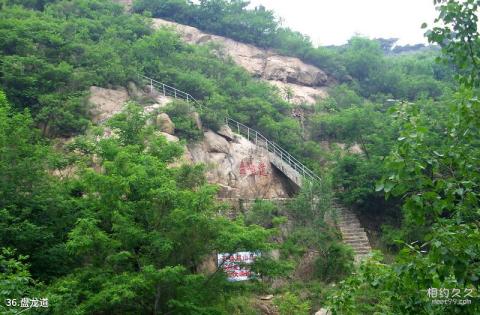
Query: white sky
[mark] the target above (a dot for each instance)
(333, 22)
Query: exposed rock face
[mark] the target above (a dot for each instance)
(215, 144)
(169, 137)
(293, 70)
(106, 102)
(208, 265)
(266, 307)
(266, 64)
(323, 311)
(226, 132)
(239, 168)
(198, 122)
(165, 124)
(299, 94)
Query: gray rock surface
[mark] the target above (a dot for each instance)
(291, 72)
(323, 311)
(198, 122)
(226, 132)
(164, 123)
(106, 102)
(239, 168)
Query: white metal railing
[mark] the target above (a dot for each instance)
(261, 141)
(251, 134)
(167, 90)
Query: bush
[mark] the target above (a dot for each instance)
(335, 263)
(182, 115)
(290, 304)
(262, 213)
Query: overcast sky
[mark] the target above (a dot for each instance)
(333, 22)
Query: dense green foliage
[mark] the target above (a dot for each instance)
(110, 48)
(229, 18)
(133, 235)
(362, 62)
(49, 59)
(434, 168)
(104, 225)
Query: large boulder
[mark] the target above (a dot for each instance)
(239, 168)
(165, 124)
(215, 144)
(300, 94)
(196, 118)
(106, 102)
(134, 92)
(169, 137)
(293, 70)
(261, 63)
(226, 132)
(323, 311)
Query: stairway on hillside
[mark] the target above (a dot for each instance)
(352, 232)
(283, 160)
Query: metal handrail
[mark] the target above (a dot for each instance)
(259, 139)
(168, 90)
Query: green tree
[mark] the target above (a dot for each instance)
(434, 168)
(143, 232)
(35, 209)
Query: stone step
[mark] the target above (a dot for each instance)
(365, 252)
(356, 222)
(362, 256)
(345, 214)
(347, 219)
(350, 223)
(355, 227)
(355, 239)
(358, 245)
(359, 248)
(354, 234)
(352, 231)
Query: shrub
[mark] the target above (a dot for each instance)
(290, 304)
(182, 115)
(334, 263)
(262, 213)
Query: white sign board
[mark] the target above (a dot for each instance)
(234, 265)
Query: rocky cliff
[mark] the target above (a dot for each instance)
(297, 81)
(241, 169)
(235, 164)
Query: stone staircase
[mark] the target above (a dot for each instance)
(352, 232)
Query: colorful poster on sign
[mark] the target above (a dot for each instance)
(234, 265)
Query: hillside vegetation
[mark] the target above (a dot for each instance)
(129, 232)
